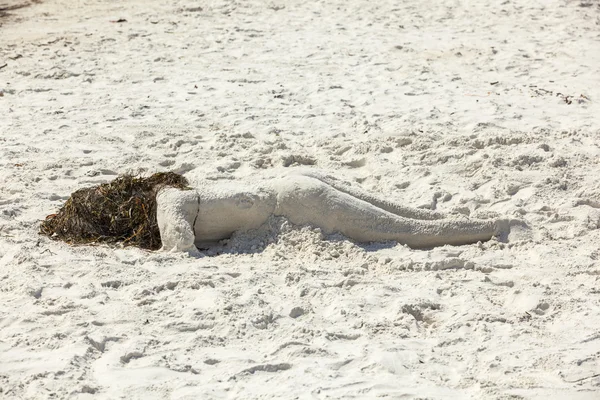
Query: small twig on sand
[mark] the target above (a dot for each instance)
(14, 7)
(4, 65)
(582, 379)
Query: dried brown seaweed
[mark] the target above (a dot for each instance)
(123, 210)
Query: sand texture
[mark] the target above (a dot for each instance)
(480, 108)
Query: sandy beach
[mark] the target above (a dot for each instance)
(480, 108)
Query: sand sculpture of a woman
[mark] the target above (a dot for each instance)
(189, 217)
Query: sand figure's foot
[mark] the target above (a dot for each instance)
(510, 230)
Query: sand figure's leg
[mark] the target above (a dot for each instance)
(176, 212)
(305, 200)
(387, 205)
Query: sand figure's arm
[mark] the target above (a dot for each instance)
(176, 212)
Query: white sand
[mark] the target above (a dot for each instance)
(448, 105)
